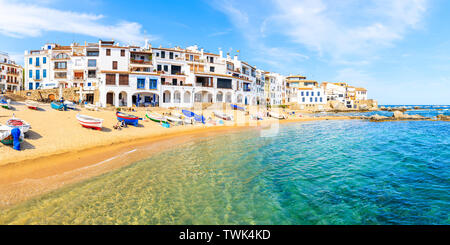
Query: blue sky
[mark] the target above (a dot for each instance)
(398, 50)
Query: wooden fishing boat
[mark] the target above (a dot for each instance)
(33, 105)
(6, 137)
(276, 115)
(197, 118)
(58, 106)
(175, 120)
(18, 123)
(5, 103)
(223, 116)
(90, 122)
(127, 118)
(91, 107)
(236, 107)
(70, 105)
(180, 116)
(155, 117)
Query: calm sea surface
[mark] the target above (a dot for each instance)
(327, 172)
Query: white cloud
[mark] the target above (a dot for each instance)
(29, 20)
(340, 28)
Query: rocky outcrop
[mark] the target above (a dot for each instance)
(443, 117)
(398, 116)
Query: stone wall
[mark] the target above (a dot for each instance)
(51, 94)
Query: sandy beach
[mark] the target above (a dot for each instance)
(58, 151)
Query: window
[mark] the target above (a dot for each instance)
(159, 67)
(30, 86)
(141, 83)
(44, 73)
(163, 54)
(171, 55)
(163, 80)
(318, 93)
(303, 99)
(30, 73)
(312, 93)
(122, 52)
(320, 99)
(153, 84)
(92, 63)
(92, 53)
(307, 93)
(89, 84)
(310, 99)
(114, 65)
(211, 69)
(123, 79)
(157, 54)
(30, 61)
(60, 65)
(166, 68)
(302, 93)
(315, 99)
(108, 52)
(174, 81)
(110, 79)
(49, 47)
(44, 60)
(37, 85)
(37, 61)
(223, 83)
(92, 74)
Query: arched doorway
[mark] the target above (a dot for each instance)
(177, 97)
(239, 99)
(219, 97)
(228, 98)
(187, 97)
(123, 100)
(166, 96)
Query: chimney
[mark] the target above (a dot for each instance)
(221, 53)
(228, 56)
(235, 58)
(201, 51)
(146, 44)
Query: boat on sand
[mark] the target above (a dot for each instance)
(223, 116)
(33, 105)
(127, 118)
(58, 106)
(18, 123)
(90, 122)
(276, 115)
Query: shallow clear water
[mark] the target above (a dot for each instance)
(325, 172)
(426, 111)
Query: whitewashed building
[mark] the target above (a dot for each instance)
(306, 93)
(11, 74)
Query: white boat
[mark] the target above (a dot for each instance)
(4, 132)
(181, 116)
(91, 107)
(70, 104)
(223, 116)
(276, 115)
(175, 120)
(32, 104)
(18, 123)
(90, 122)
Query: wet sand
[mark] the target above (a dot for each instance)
(58, 151)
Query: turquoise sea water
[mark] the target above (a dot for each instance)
(325, 172)
(426, 110)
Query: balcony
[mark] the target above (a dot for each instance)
(140, 62)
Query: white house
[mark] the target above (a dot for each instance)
(10, 74)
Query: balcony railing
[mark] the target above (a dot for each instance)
(142, 62)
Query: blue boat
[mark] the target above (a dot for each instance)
(236, 107)
(196, 117)
(59, 106)
(127, 118)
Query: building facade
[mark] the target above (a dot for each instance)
(11, 74)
